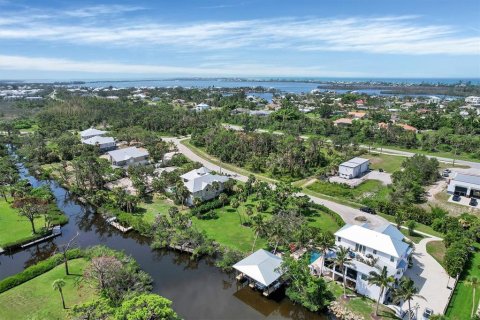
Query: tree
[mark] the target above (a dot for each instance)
(343, 260)
(31, 208)
(411, 224)
(305, 289)
(102, 271)
(382, 280)
(58, 285)
(399, 219)
(64, 248)
(235, 204)
(473, 282)
(223, 199)
(259, 227)
(146, 306)
(406, 291)
(325, 242)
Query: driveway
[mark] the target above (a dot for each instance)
(430, 278)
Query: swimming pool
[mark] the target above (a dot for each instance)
(314, 256)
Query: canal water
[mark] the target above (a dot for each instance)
(198, 290)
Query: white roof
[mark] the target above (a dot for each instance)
(99, 139)
(127, 153)
(262, 266)
(355, 162)
(199, 179)
(379, 241)
(91, 132)
(391, 230)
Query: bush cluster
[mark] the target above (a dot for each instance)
(204, 208)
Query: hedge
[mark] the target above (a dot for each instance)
(207, 206)
(333, 214)
(38, 269)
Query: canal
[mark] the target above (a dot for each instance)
(198, 289)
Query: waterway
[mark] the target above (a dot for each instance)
(198, 289)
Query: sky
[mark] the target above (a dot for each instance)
(71, 40)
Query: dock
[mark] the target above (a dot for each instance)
(182, 248)
(56, 231)
(113, 222)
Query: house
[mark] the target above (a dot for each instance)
(370, 250)
(200, 182)
(342, 121)
(201, 107)
(473, 100)
(407, 127)
(433, 99)
(103, 143)
(167, 157)
(465, 185)
(353, 168)
(357, 115)
(128, 156)
(90, 133)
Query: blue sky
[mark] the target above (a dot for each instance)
(268, 38)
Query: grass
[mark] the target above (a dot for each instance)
(416, 237)
(157, 205)
(461, 303)
(420, 227)
(386, 162)
(14, 228)
(437, 250)
(360, 305)
(36, 299)
(341, 191)
(228, 231)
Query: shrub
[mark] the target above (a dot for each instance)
(206, 207)
(38, 269)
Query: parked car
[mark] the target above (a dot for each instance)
(367, 210)
(427, 313)
(456, 197)
(473, 202)
(446, 174)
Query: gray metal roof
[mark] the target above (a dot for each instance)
(262, 266)
(199, 179)
(467, 178)
(355, 162)
(127, 153)
(99, 139)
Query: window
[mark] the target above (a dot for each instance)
(374, 251)
(392, 259)
(360, 248)
(364, 277)
(339, 239)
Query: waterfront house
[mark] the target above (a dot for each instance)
(128, 157)
(90, 133)
(353, 168)
(203, 184)
(370, 250)
(103, 143)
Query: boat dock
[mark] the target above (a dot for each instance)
(113, 222)
(56, 231)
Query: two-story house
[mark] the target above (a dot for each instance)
(371, 250)
(203, 184)
(126, 157)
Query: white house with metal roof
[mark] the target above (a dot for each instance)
(353, 168)
(128, 157)
(201, 184)
(90, 133)
(371, 250)
(103, 143)
(467, 185)
(201, 107)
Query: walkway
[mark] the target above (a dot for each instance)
(430, 278)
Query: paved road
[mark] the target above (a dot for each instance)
(347, 213)
(428, 275)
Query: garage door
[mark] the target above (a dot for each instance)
(462, 191)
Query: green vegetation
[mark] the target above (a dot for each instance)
(150, 208)
(461, 303)
(366, 189)
(13, 227)
(35, 298)
(386, 162)
(437, 250)
(415, 237)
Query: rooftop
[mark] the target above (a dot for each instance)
(198, 179)
(468, 178)
(99, 139)
(262, 266)
(355, 162)
(127, 153)
(91, 132)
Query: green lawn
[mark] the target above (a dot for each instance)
(359, 305)
(420, 227)
(228, 231)
(386, 162)
(35, 299)
(437, 250)
(344, 192)
(416, 237)
(461, 302)
(158, 205)
(14, 228)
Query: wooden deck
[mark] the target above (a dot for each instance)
(113, 222)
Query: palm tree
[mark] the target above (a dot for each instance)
(58, 285)
(406, 291)
(325, 242)
(343, 260)
(473, 281)
(382, 280)
(258, 225)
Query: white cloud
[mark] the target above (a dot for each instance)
(406, 34)
(20, 63)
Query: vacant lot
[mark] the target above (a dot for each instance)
(437, 250)
(157, 205)
(384, 161)
(36, 299)
(367, 188)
